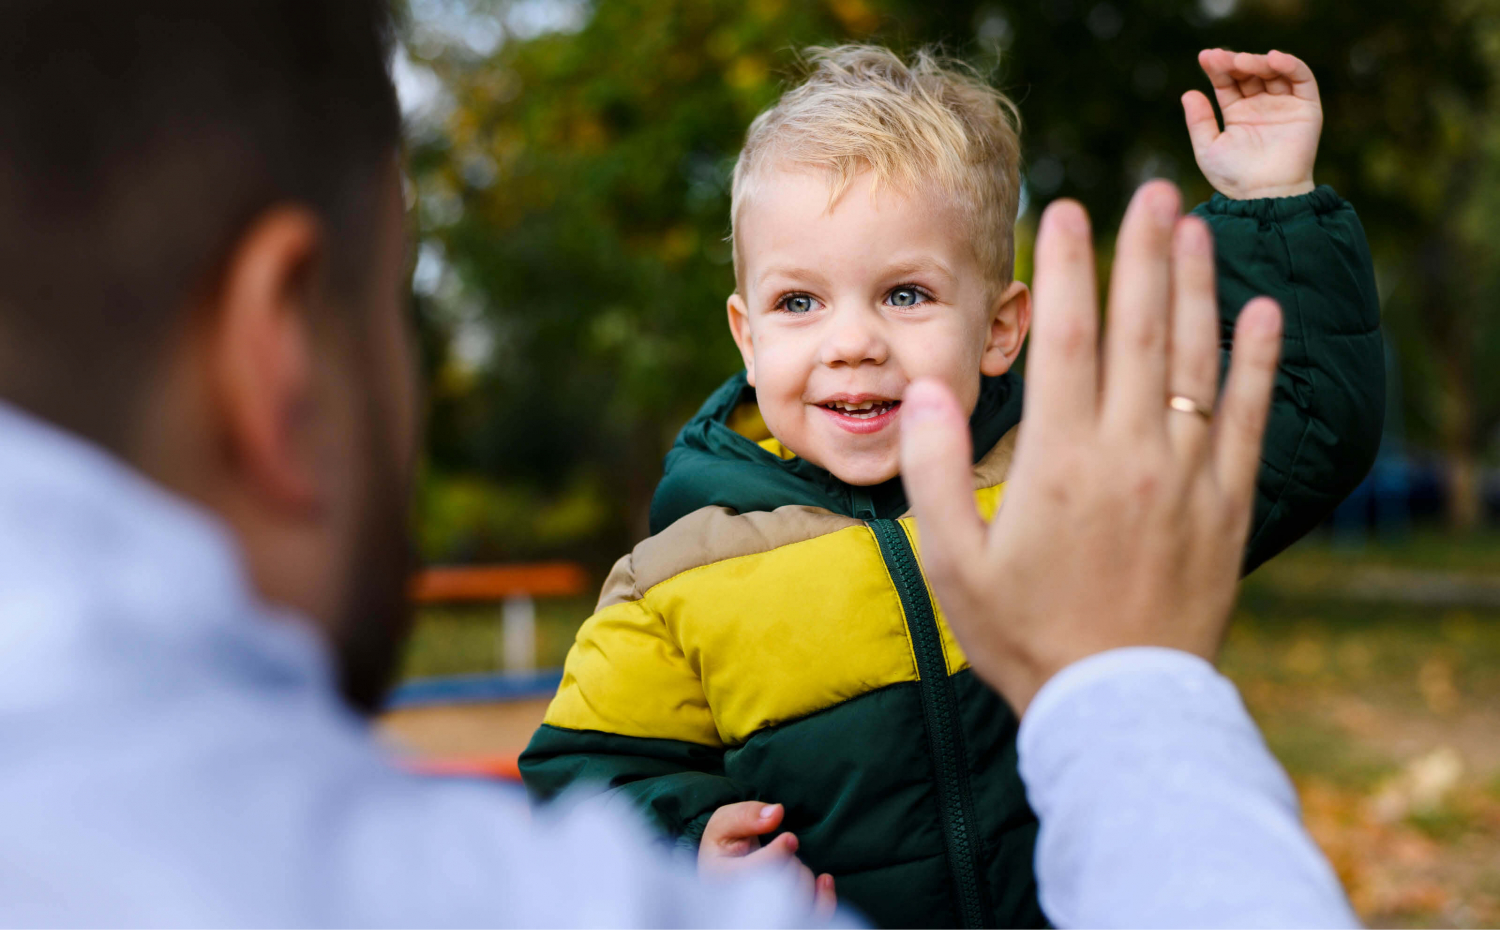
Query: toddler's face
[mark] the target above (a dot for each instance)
(841, 309)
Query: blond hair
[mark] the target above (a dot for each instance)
(918, 124)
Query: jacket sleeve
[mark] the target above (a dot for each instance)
(630, 720)
(1309, 253)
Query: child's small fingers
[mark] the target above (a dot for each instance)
(782, 849)
(1297, 72)
(1217, 64)
(745, 819)
(1252, 86)
(826, 901)
(1258, 65)
(1202, 125)
(1293, 67)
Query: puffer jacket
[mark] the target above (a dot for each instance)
(775, 639)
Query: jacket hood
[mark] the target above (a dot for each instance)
(711, 464)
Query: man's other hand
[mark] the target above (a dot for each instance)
(1126, 512)
(1272, 121)
(731, 842)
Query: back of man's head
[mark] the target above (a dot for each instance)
(138, 139)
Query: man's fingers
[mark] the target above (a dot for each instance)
(1202, 125)
(1195, 333)
(1135, 342)
(1062, 367)
(936, 457)
(1246, 402)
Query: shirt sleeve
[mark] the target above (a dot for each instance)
(1160, 804)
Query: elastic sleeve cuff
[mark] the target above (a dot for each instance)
(1320, 201)
(1115, 668)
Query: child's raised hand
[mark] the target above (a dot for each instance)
(1272, 121)
(731, 842)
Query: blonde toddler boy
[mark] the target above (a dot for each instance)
(770, 663)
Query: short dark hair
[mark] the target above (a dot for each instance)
(138, 140)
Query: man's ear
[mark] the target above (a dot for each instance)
(739, 326)
(1010, 319)
(261, 355)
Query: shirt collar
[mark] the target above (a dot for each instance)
(93, 553)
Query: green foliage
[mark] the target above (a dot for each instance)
(577, 188)
(580, 190)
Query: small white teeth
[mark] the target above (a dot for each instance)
(864, 411)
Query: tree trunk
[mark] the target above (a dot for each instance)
(1449, 317)
(1465, 498)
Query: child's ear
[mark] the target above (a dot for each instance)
(739, 327)
(1010, 319)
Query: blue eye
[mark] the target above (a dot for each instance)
(906, 297)
(797, 303)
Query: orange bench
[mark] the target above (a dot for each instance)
(514, 587)
(480, 583)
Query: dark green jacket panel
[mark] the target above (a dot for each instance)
(849, 815)
(677, 785)
(1328, 410)
(858, 786)
(1007, 824)
(910, 894)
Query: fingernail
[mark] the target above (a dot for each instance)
(767, 812)
(1194, 237)
(1164, 207)
(1067, 216)
(1264, 319)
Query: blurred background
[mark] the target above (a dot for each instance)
(569, 167)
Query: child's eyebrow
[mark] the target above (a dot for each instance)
(919, 266)
(811, 275)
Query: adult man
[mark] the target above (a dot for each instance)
(206, 437)
(204, 458)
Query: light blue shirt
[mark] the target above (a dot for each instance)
(1161, 806)
(173, 752)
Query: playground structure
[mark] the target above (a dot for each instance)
(443, 718)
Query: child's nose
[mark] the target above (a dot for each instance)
(853, 338)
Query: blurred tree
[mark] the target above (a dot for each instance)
(576, 191)
(579, 188)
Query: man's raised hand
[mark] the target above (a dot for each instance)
(1126, 510)
(1272, 121)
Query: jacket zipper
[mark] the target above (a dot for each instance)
(944, 727)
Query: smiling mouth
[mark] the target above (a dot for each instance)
(868, 410)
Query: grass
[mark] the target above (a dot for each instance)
(1382, 702)
(1387, 715)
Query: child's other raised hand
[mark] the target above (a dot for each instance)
(731, 843)
(1272, 121)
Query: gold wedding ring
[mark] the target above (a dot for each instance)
(1184, 404)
